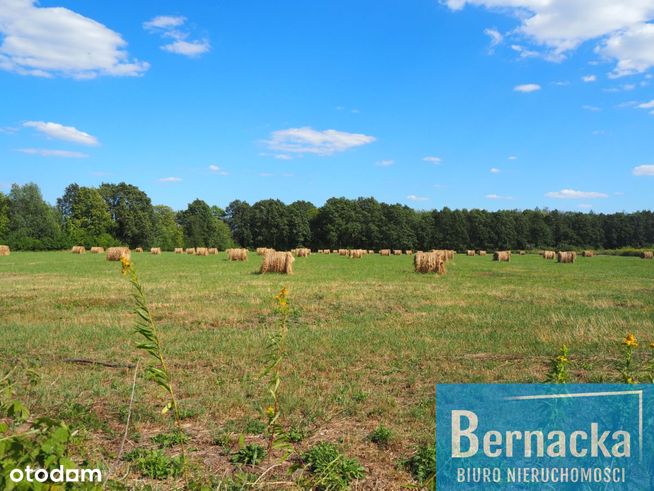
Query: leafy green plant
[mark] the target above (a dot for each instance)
(558, 373)
(254, 427)
(296, 434)
(381, 436)
(165, 440)
(41, 443)
(155, 464)
(422, 465)
(331, 470)
(250, 454)
(146, 327)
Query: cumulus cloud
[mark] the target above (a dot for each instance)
(494, 170)
(512, 157)
(432, 159)
(526, 88)
(589, 78)
(573, 194)
(297, 141)
(173, 28)
(45, 152)
(644, 170)
(61, 132)
(646, 105)
(498, 197)
(384, 163)
(56, 41)
(170, 179)
(413, 197)
(622, 30)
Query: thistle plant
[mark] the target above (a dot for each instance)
(146, 327)
(275, 353)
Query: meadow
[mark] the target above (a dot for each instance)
(368, 340)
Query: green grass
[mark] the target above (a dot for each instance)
(368, 338)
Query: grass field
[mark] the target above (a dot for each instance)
(368, 340)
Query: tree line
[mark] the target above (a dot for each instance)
(123, 214)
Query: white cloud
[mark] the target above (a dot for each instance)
(307, 140)
(646, 105)
(524, 52)
(589, 78)
(588, 107)
(495, 36)
(632, 48)
(170, 179)
(494, 170)
(188, 48)
(585, 206)
(44, 152)
(526, 88)
(432, 159)
(644, 170)
(217, 170)
(171, 27)
(512, 157)
(164, 22)
(413, 197)
(56, 41)
(384, 163)
(61, 132)
(498, 197)
(573, 194)
(266, 174)
(282, 156)
(558, 26)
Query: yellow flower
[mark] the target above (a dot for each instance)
(630, 341)
(281, 297)
(630, 380)
(651, 345)
(270, 411)
(126, 264)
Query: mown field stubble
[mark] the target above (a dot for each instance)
(367, 341)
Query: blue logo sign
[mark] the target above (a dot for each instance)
(570, 437)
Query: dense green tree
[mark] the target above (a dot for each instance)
(300, 214)
(238, 218)
(132, 213)
(269, 224)
(33, 224)
(202, 226)
(168, 234)
(86, 217)
(4, 216)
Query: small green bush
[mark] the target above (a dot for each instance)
(381, 436)
(330, 469)
(165, 440)
(155, 464)
(250, 454)
(422, 465)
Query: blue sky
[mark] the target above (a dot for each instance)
(480, 103)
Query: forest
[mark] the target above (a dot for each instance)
(123, 214)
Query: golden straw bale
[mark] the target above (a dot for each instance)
(4, 250)
(566, 256)
(155, 250)
(78, 250)
(201, 251)
(397, 252)
(385, 252)
(643, 255)
(502, 256)
(482, 253)
(429, 262)
(522, 253)
(409, 252)
(97, 250)
(277, 262)
(117, 253)
(179, 250)
(301, 252)
(357, 253)
(470, 253)
(212, 251)
(237, 254)
(140, 249)
(588, 253)
(549, 254)
(190, 250)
